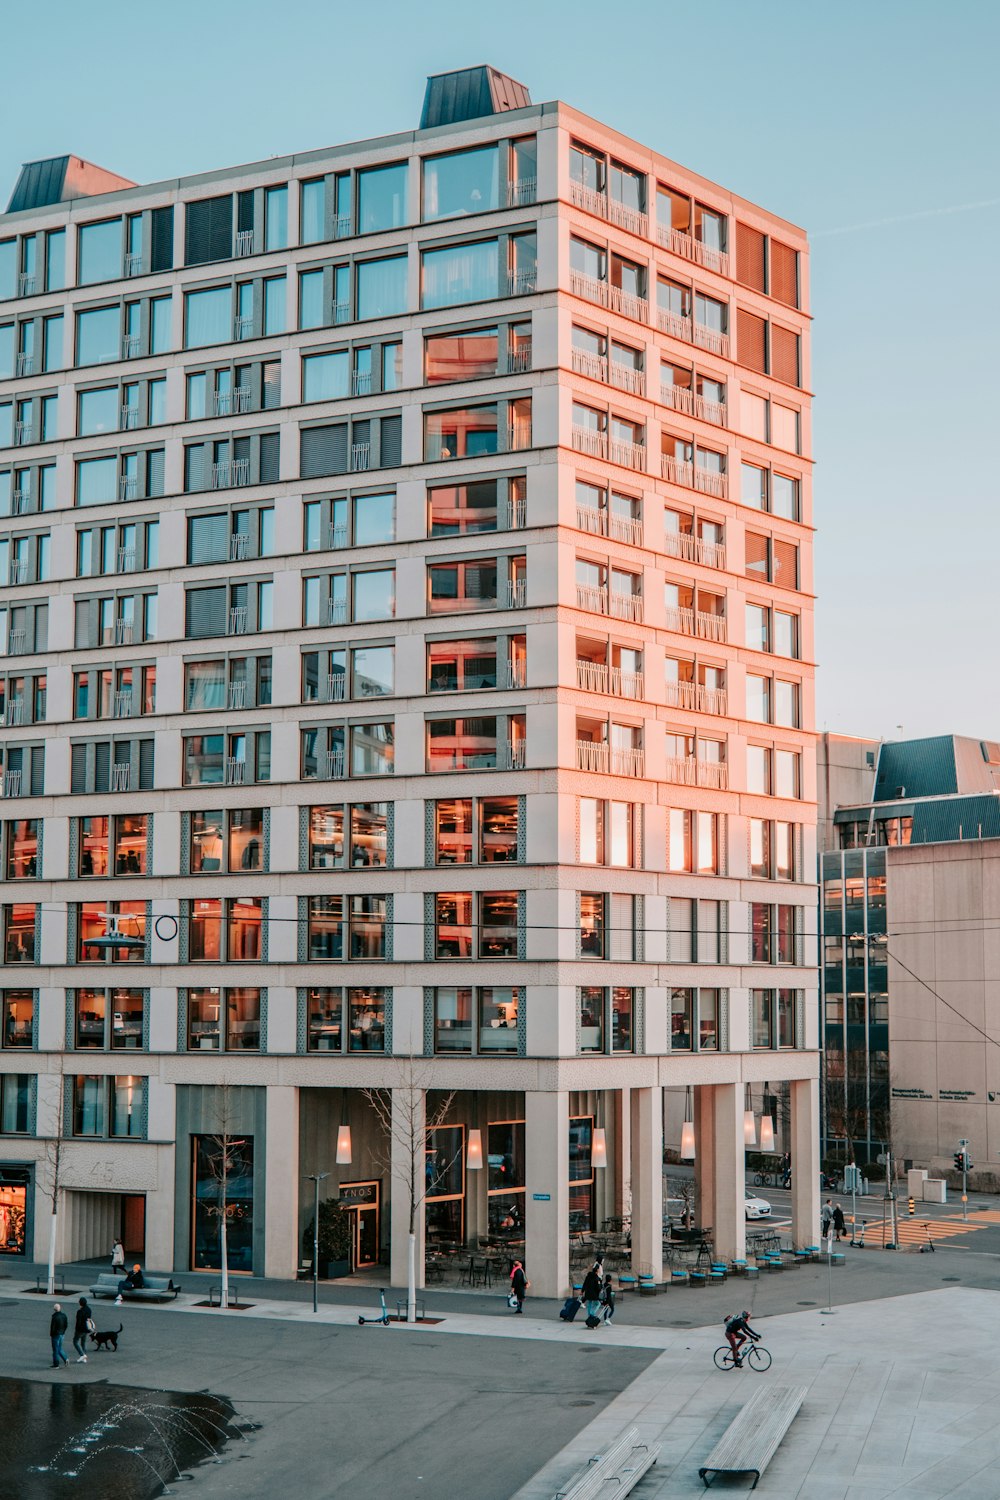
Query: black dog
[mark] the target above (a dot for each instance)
(108, 1340)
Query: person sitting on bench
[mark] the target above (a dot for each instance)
(133, 1282)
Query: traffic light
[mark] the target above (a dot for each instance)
(959, 1161)
(969, 1163)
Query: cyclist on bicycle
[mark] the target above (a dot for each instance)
(738, 1331)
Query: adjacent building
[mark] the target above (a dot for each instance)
(910, 895)
(407, 692)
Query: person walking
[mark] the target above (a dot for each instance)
(608, 1299)
(83, 1327)
(58, 1325)
(590, 1293)
(519, 1285)
(826, 1219)
(117, 1255)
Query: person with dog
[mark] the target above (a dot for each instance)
(107, 1340)
(84, 1325)
(133, 1282)
(58, 1324)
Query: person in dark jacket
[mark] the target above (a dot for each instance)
(839, 1222)
(84, 1325)
(133, 1282)
(58, 1325)
(608, 1299)
(590, 1292)
(518, 1284)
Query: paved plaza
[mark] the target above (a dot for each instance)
(902, 1382)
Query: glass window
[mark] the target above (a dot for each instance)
(591, 1018)
(498, 1012)
(275, 218)
(208, 317)
(366, 1018)
(592, 925)
(465, 355)
(97, 335)
(453, 837)
(452, 1019)
(762, 1003)
(463, 509)
(8, 268)
(498, 924)
(461, 432)
(159, 325)
(785, 496)
(326, 377)
(18, 1018)
(460, 273)
(325, 1020)
(373, 671)
(369, 834)
(622, 1019)
(382, 198)
(498, 829)
(312, 200)
(99, 252)
(374, 595)
(786, 634)
(374, 519)
(372, 749)
(392, 367)
(786, 773)
(55, 260)
(758, 769)
(96, 481)
(381, 287)
(326, 837)
(22, 849)
(312, 306)
(98, 411)
(463, 182)
(274, 304)
(207, 1201)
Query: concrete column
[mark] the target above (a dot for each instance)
(647, 1181)
(804, 1146)
(409, 1115)
(281, 1204)
(729, 1228)
(546, 1148)
(621, 1110)
(704, 1161)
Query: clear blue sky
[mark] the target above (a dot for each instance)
(870, 112)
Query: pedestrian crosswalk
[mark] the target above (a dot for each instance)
(915, 1231)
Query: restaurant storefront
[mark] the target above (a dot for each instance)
(16, 1195)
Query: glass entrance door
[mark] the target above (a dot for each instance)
(365, 1237)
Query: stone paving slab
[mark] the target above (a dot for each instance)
(901, 1402)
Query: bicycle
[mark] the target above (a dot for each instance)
(755, 1356)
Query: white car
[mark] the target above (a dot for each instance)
(756, 1208)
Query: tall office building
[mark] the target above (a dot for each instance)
(407, 686)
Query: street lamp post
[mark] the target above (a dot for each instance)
(316, 1178)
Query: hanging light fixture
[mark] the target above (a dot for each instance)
(599, 1148)
(343, 1145)
(766, 1125)
(687, 1129)
(474, 1151)
(749, 1124)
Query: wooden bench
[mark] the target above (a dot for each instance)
(155, 1288)
(616, 1471)
(752, 1438)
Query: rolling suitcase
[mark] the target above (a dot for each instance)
(593, 1322)
(570, 1308)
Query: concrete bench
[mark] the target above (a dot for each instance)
(752, 1438)
(614, 1472)
(156, 1288)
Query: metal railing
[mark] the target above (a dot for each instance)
(679, 397)
(592, 676)
(518, 360)
(691, 548)
(517, 593)
(14, 712)
(628, 762)
(694, 250)
(12, 783)
(628, 379)
(626, 607)
(330, 765)
(236, 771)
(121, 776)
(124, 632)
(342, 227)
(24, 433)
(341, 312)
(21, 502)
(361, 456)
(512, 755)
(130, 345)
(336, 535)
(17, 640)
(711, 482)
(713, 774)
(239, 546)
(361, 383)
(628, 455)
(232, 403)
(679, 619)
(25, 364)
(520, 193)
(123, 703)
(243, 327)
(711, 627)
(605, 207)
(17, 571)
(336, 687)
(710, 411)
(128, 487)
(236, 624)
(520, 283)
(678, 325)
(676, 470)
(518, 436)
(244, 242)
(336, 612)
(591, 597)
(625, 529)
(26, 283)
(711, 339)
(593, 366)
(586, 440)
(133, 263)
(516, 514)
(589, 518)
(236, 695)
(696, 698)
(128, 418)
(513, 675)
(126, 559)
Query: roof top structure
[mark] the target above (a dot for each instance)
(59, 178)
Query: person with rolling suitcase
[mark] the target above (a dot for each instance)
(591, 1294)
(569, 1309)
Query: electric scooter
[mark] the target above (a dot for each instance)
(383, 1317)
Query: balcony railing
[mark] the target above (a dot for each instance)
(231, 403)
(17, 571)
(612, 297)
(518, 436)
(236, 771)
(517, 593)
(12, 783)
(691, 548)
(693, 250)
(121, 775)
(689, 771)
(518, 361)
(130, 346)
(710, 411)
(678, 325)
(26, 284)
(628, 455)
(341, 312)
(625, 529)
(599, 756)
(128, 487)
(586, 440)
(628, 379)
(336, 612)
(711, 482)
(239, 546)
(711, 339)
(695, 698)
(123, 703)
(520, 283)
(714, 774)
(336, 536)
(14, 712)
(237, 621)
(330, 765)
(133, 263)
(17, 640)
(230, 472)
(361, 457)
(25, 364)
(512, 755)
(626, 607)
(243, 327)
(124, 632)
(236, 695)
(126, 559)
(605, 602)
(710, 627)
(342, 227)
(336, 687)
(244, 242)
(513, 675)
(594, 366)
(21, 502)
(361, 382)
(24, 433)
(609, 208)
(520, 193)
(128, 418)
(676, 470)
(682, 399)
(591, 597)
(516, 514)
(598, 677)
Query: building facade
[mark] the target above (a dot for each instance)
(288, 836)
(909, 894)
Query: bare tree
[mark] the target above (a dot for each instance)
(405, 1130)
(51, 1164)
(223, 1159)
